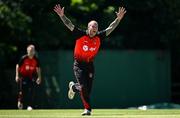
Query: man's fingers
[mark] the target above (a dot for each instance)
(57, 6)
(63, 9)
(54, 9)
(121, 10)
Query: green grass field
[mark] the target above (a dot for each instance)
(97, 113)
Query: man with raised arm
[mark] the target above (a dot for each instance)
(87, 46)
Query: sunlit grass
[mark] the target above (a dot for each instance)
(97, 113)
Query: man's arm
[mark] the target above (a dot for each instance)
(114, 24)
(66, 21)
(39, 75)
(17, 73)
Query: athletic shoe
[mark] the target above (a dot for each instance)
(86, 112)
(71, 93)
(29, 108)
(19, 105)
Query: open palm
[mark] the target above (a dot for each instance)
(59, 10)
(120, 13)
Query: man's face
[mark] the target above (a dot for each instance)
(31, 50)
(92, 28)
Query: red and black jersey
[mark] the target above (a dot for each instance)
(86, 47)
(28, 66)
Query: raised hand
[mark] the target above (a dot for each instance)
(66, 21)
(59, 10)
(120, 13)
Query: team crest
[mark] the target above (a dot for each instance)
(85, 48)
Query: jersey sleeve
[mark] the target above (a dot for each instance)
(21, 60)
(102, 34)
(37, 60)
(78, 32)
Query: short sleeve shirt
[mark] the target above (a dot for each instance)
(86, 47)
(28, 66)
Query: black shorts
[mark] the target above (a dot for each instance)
(26, 82)
(83, 71)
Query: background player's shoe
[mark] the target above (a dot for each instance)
(19, 105)
(71, 93)
(86, 112)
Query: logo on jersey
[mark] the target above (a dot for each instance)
(92, 49)
(27, 67)
(86, 48)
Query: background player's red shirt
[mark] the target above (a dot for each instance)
(86, 48)
(27, 66)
